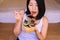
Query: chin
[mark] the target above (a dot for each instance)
(34, 15)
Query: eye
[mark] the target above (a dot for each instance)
(30, 5)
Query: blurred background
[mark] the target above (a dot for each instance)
(7, 20)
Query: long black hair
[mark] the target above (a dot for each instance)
(41, 8)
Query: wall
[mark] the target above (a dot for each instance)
(7, 11)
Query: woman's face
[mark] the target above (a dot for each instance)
(33, 7)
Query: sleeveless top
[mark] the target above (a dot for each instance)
(30, 36)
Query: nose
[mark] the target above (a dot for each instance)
(33, 8)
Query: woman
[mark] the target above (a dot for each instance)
(35, 10)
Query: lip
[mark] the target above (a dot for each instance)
(33, 12)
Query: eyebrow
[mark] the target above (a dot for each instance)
(31, 3)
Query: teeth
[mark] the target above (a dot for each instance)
(33, 12)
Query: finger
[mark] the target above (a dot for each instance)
(21, 12)
(15, 14)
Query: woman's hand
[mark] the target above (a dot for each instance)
(19, 15)
(39, 35)
(19, 18)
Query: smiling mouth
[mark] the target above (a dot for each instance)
(32, 13)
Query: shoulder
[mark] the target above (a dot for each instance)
(45, 26)
(45, 21)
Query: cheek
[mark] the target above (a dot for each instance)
(36, 8)
(36, 13)
(30, 8)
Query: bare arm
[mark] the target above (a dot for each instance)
(42, 35)
(17, 28)
(19, 18)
